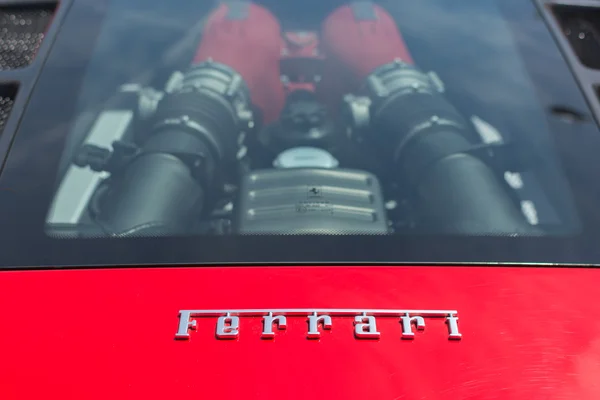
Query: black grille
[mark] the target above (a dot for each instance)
(7, 99)
(22, 30)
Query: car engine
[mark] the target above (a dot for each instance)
(199, 157)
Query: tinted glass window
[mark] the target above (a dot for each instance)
(315, 131)
(326, 118)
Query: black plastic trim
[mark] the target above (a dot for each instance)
(302, 264)
(588, 78)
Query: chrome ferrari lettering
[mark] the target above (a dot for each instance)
(313, 324)
(365, 327)
(268, 322)
(185, 324)
(364, 321)
(228, 327)
(452, 322)
(407, 323)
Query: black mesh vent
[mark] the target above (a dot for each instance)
(22, 30)
(7, 99)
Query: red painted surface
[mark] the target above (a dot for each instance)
(528, 333)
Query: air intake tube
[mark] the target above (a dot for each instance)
(429, 144)
(158, 187)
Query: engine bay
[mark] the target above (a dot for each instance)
(268, 131)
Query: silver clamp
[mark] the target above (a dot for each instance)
(359, 113)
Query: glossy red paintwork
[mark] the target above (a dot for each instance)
(528, 333)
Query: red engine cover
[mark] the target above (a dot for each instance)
(528, 333)
(251, 46)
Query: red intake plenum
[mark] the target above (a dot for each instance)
(354, 47)
(251, 44)
(359, 45)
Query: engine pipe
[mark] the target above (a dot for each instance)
(422, 135)
(430, 144)
(194, 138)
(193, 141)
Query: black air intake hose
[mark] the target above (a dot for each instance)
(429, 144)
(165, 184)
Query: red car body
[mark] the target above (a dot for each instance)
(528, 332)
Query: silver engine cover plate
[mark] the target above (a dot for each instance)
(311, 201)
